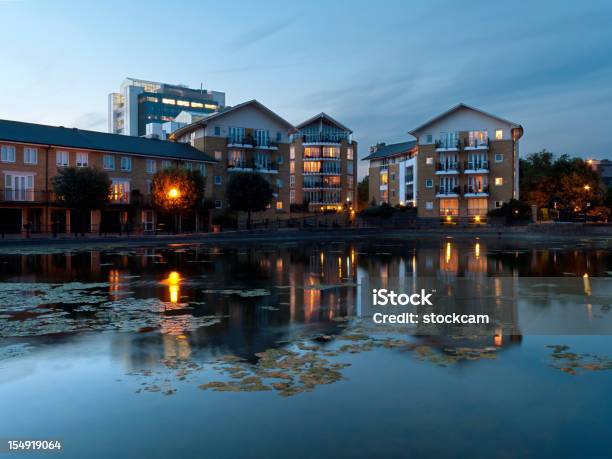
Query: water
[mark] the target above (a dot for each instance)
(106, 349)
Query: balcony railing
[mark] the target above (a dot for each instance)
(240, 140)
(447, 167)
(447, 190)
(476, 143)
(321, 185)
(10, 195)
(448, 144)
(470, 189)
(476, 165)
(321, 138)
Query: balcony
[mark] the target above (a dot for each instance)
(448, 192)
(321, 139)
(239, 166)
(321, 158)
(446, 145)
(323, 172)
(25, 196)
(476, 144)
(264, 144)
(240, 142)
(321, 185)
(471, 191)
(447, 168)
(476, 167)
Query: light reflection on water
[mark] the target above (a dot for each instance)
(291, 290)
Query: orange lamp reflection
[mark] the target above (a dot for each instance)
(173, 281)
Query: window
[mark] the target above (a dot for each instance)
(166, 164)
(279, 183)
(499, 181)
(188, 166)
(218, 204)
(279, 136)
(30, 155)
(108, 162)
(498, 204)
(292, 153)
(197, 105)
(120, 191)
(292, 197)
(292, 181)
(292, 167)
(8, 153)
(217, 130)
(218, 155)
(428, 183)
(429, 205)
(218, 180)
(151, 99)
(151, 166)
(182, 103)
(149, 186)
(429, 161)
(18, 187)
(279, 205)
(392, 177)
(499, 134)
(202, 169)
(392, 193)
(349, 153)
(428, 138)
(126, 163)
(350, 182)
(279, 159)
(499, 157)
(168, 101)
(82, 160)
(61, 158)
(349, 167)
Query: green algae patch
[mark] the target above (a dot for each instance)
(573, 363)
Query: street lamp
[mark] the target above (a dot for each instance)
(587, 187)
(173, 193)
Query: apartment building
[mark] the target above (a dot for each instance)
(32, 155)
(309, 162)
(142, 103)
(393, 173)
(464, 163)
(323, 173)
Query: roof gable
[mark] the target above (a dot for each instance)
(326, 117)
(392, 149)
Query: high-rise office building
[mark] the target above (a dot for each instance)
(140, 103)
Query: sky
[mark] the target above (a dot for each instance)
(381, 68)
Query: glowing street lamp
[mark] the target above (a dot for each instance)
(587, 187)
(173, 193)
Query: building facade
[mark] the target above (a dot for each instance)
(323, 173)
(140, 103)
(464, 163)
(305, 163)
(33, 154)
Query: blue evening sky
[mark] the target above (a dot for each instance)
(379, 67)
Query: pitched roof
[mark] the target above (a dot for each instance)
(454, 109)
(391, 150)
(16, 131)
(325, 116)
(204, 121)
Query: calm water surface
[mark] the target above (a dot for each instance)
(107, 350)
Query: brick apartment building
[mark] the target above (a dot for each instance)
(32, 154)
(462, 164)
(312, 162)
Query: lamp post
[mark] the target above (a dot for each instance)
(173, 195)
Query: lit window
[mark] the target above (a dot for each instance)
(151, 166)
(210, 106)
(166, 164)
(168, 101)
(279, 205)
(120, 191)
(218, 180)
(197, 104)
(499, 157)
(499, 134)
(218, 155)
(498, 204)
(499, 181)
(82, 160)
(126, 163)
(30, 155)
(151, 99)
(429, 205)
(349, 153)
(292, 181)
(292, 167)
(8, 153)
(292, 153)
(384, 178)
(429, 161)
(61, 158)
(108, 162)
(218, 204)
(428, 183)
(182, 103)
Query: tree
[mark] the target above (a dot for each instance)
(249, 192)
(512, 210)
(363, 191)
(177, 189)
(82, 189)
